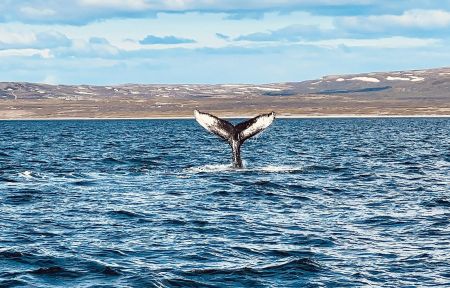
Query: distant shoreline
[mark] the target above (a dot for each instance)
(398, 94)
(337, 116)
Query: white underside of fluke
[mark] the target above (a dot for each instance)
(211, 124)
(261, 123)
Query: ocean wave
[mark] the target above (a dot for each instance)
(112, 161)
(52, 264)
(180, 282)
(285, 266)
(55, 271)
(12, 283)
(84, 183)
(9, 253)
(124, 214)
(438, 202)
(22, 196)
(7, 180)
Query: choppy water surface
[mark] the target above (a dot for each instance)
(154, 203)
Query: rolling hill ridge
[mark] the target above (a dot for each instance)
(415, 92)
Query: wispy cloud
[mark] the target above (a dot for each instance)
(95, 47)
(245, 14)
(222, 36)
(32, 40)
(116, 4)
(82, 12)
(292, 33)
(419, 23)
(152, 40)
(410, 24)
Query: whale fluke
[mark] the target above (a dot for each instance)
(235, 135)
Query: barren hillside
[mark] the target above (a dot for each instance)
(417, 92)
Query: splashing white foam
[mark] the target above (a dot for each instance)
(210, 168)
(229, 168)
(26, 174)
(280, 169)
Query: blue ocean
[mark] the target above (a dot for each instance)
(155, 203)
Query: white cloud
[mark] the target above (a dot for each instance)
(93, 48)
(422, 19)
(248, 4)
(17, 38)
(81, 12)
(116, 4)
(388, 42)
(43, 53)
(32, 12)
(218, 5)
(23, 39)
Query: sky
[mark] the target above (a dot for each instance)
(104, 42)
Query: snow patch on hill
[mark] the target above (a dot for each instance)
(416, 79)
(366, 79)
(390, 78)
(266, 88)
(409, 78)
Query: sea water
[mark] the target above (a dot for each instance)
(156, 203)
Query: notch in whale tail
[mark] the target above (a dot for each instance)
(235, 135)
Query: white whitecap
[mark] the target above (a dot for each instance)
(26, 174)
(229, 168)
(210, 168)
(281, 169)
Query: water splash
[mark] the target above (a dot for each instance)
(26, 174)
(218, 168)
(211, 168)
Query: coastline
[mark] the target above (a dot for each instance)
(331, 116)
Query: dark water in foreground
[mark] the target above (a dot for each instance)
(153, 203)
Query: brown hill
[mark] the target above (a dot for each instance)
(416, 92)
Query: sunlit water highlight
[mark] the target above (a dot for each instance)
(155, 203)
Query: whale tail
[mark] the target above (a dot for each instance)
(234, 135)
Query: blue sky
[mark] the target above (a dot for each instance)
(210, 41)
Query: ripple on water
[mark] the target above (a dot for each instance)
(8, 180)
(437, 202)
(85, 183)
(52, 266)
(283, 267)
(4, 154)
(55, 271)
(23, 196)
(112, 161)
(124, 214)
